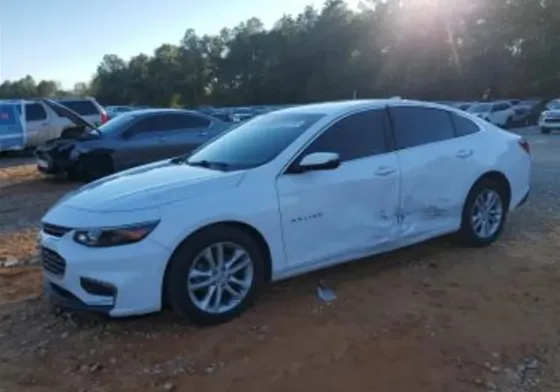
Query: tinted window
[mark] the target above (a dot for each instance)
(357, 136)
(499, 107)
(185, 121)
(415, 126)
(84, 108)
(35, 112)
(256, 141)
(116, 125)
(463, 126)
(153, 123)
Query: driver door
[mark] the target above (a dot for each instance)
(335, 215)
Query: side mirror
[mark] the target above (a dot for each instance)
(317, 161)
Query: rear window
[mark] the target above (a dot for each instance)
(7, 113)
(83, 108)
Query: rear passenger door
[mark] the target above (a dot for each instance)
(437, 151)
(37, 124)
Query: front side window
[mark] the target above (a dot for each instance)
(255, 142)
(116, 125)
(416, 126)
(357, 136)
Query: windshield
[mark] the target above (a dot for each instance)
(554, 105)
(256, 141)
(115, 125)
(480, 108)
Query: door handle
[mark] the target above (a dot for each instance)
(202, 133)
(384, 171)
(162, 139)
(464, 154)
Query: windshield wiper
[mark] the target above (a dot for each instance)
(209, 164)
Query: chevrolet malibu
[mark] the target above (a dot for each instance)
(282, 194)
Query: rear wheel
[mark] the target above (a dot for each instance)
(215, 275)
(545, 131)
(484, 214)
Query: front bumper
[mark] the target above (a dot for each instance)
(53, 162)
(117, 281)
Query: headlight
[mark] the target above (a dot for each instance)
(75, 153)
(114, 236)
(542, 116)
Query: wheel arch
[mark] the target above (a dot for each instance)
(499, 178)
(247, 228)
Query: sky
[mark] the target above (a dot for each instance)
(65, 40)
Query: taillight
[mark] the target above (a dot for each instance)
(104, 117)
(524, 144)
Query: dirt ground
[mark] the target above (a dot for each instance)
(433, 317)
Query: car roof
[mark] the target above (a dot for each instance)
(147, 112)
(341, 107)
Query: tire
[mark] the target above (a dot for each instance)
(468, 234)
(186, 301)
(94, 168)
(545, 131)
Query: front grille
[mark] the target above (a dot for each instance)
(552, 119)
(54, 230)
(53, 262)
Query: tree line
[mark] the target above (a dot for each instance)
(423, 49)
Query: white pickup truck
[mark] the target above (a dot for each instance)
(38, 123)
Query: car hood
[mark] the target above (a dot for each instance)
(149, 186)
(555, 112)
(63, 111)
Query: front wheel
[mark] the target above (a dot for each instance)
(215, 275)
(545, 131)
(484, 214)
(96, 167)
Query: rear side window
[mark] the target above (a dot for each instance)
(357, 136)
(415, 126)
(83, 107)
(463, 126)
(186, 121)
(35, 112)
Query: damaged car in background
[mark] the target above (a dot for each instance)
(132, 139)
(282, 194)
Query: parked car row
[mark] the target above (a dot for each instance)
(279, 195)
(511, 113)
(131, 139)
(29, 123)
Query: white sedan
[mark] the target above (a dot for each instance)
(283, 194)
